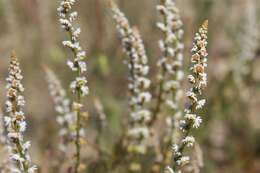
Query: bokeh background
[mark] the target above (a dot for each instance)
(230, 136)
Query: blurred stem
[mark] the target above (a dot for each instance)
(159, 98)
(77, 142)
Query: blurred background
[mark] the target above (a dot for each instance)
(230, 136)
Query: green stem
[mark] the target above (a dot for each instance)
(78, 112)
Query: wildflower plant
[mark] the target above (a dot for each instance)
(198, 81)
(79, 85)
(15, 120)
(138, 82)
(139, 145)
(171, 61)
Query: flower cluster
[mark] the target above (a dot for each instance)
(138, 82)
(198, 80)
(171, 61)
(65, 118)
(77, 65)
(79, 85)
(15, 120)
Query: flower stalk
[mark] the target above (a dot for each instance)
(15, 119)
(198, 81)
(65, 118)
(79, 85)
(171, 61)
(138, 82)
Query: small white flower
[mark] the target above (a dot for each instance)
(139, 131)
(22, 126)
(189, 141)
(81, 54)
(76, 33)
(161, 26)
(144, 97)
(73, 85)
(72, 65)
(67, 43)
(65, 23)
(191, 95)
(200, 104)
(19, 114)
(27, 145)
(20, 101)
(175, 148)
(8, 105)
(183, 160)
(85, 90)
(170, 51)
(7, 120)
(142, 114)
(73, 16)
(191, 79)
(82, 66)
(144, 83)
(191, 117)
(197, 122)
(17, 157)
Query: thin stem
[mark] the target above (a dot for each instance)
(77, 142)
(17, 141)
(79, 85)
(159, 98)
(78, 117)
(78, 111)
